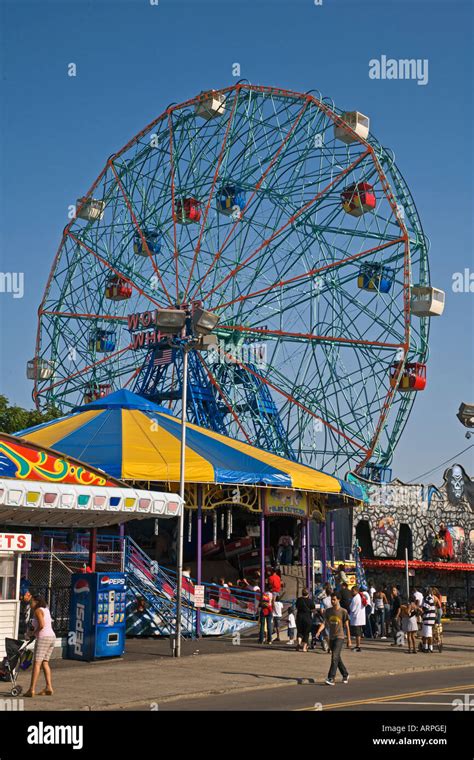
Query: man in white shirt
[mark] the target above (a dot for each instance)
(357, 616)
(418, 597)
(372, 591)
(368, 628)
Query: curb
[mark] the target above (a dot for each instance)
(245, 689)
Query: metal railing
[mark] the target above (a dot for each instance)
(158, 588)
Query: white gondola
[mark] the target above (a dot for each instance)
(39, 369)
(426, 301)
(90, 209)
(357, 122)
(210, 105)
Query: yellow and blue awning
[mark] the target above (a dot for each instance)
(131, 438)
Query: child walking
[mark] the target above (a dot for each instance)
(277, 615)
(291, 626)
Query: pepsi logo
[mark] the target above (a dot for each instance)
(106, 581)
(81, 586)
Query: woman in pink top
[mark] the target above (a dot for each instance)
(45, 641)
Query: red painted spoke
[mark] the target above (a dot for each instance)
(261, 89)
(114, 269)
(253, 194)
(76, 315)
(291, 399)
(289, 221)
(306, 275)
(401, 223)
(101, 362)
(214, 181)
(222, 395)
(133, 376)
(52, 271)
(385, 409)
(310, 336)
(137, 227)
(173, 206)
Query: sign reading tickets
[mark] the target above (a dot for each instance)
(285, 501)
(15, 542)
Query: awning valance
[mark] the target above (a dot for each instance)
(31, 503)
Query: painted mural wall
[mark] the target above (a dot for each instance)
(396, 510)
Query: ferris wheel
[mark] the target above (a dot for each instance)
(284, 217)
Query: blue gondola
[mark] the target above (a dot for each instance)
(229, 197)
(375, 277)
(102, 341)
(153, 241)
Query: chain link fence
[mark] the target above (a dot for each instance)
(48, 573)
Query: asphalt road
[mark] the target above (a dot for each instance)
(431, 691)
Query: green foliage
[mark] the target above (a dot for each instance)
(14, 418)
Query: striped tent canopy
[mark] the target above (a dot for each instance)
(134, 439)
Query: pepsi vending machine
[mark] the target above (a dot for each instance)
(97, 616)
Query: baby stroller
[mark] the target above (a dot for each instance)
(18, 655)
(317, 619)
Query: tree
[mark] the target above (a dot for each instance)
(15, 418)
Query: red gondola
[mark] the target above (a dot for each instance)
(96, 391)
(187, 210)
(358, 199)
(413, 377)
(118, 289)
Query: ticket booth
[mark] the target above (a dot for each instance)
(11, 546)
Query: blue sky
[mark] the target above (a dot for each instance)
(133, 59)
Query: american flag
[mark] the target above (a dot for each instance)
(162, 357)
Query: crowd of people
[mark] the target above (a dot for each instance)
(338, 613)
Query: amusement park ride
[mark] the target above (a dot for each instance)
(289, 221)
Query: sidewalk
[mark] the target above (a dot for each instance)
(147, 675)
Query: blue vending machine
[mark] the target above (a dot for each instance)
(97, 616)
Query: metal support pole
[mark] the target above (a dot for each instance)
(199, 554)
(50, 579)
(407, 576)
(331, 538)
(179, 546)
(122, 546)
(323, 551)
(302, 544)
(92, 548)
(262, 540)
(309, 570)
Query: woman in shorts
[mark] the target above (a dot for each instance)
(45, 641)
(409, 617)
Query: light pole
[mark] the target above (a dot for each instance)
(188, 328)
(180, 538)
